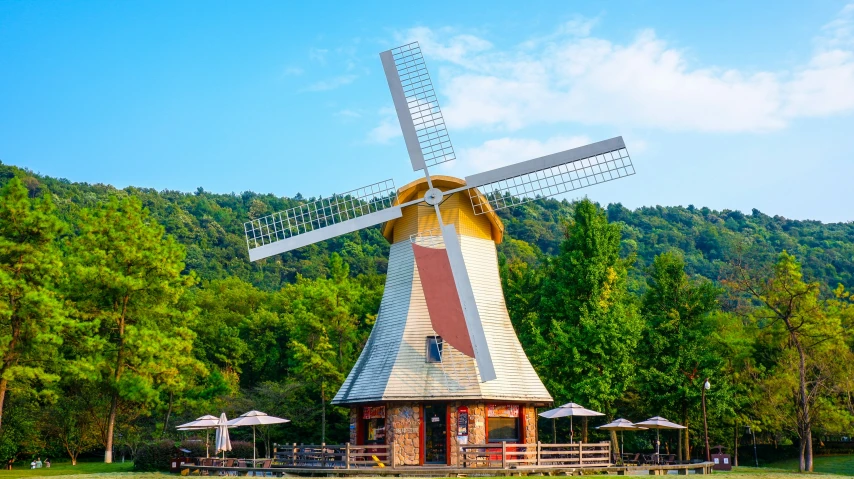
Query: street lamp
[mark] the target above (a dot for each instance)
(706, 387)
(755, 456)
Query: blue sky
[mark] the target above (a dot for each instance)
(733, 105)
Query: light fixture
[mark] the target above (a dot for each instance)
(707, 385)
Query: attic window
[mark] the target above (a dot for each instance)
(434, 349)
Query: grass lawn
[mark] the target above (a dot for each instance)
(22, 469)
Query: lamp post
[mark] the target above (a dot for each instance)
(706, 387)
(755, 456)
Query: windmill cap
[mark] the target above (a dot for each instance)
(417, 188)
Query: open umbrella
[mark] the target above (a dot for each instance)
(223, 442)
(657, 423)
(207, 423)
(255, 418)
(620, 425)
(569, 409)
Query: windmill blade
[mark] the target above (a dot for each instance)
(417, 107)
(464, 290)
(321, 220)
(550, 175)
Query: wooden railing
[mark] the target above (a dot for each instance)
(343, 456)
(506, 455)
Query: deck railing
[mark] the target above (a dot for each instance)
(344, 456)
(506, 455)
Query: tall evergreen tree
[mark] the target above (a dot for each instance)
(127, 283)
(31, 314)
(676, 351)
(588, 327)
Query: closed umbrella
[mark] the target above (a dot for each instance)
(569, 409)
(223, 442)
(657, 423)
(621, 425)
(205, 423)
(255, 418)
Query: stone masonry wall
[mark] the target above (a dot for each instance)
(403, 425)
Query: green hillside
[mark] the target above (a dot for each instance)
(210, 225)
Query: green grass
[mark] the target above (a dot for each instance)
(827, 464)
(22, 469)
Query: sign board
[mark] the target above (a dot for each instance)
(502, 410)
(373, 412)
(462, 421)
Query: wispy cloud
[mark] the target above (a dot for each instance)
(647, 83)
(293, 71)
(504, 151)
(387, 130)
(350, 114)
(331, 83)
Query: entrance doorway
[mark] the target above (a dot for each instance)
(436, 434)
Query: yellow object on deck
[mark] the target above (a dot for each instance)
(377, 460)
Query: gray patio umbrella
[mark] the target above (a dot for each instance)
(255, 418)
(205, 423)
(621, 425)
(569, 409)
(657, 423)
(223, 442)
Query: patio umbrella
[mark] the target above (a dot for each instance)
(223, 442)
(620, 425)
(255, 418)
(657, 423)
(207, 423)
(569, 409)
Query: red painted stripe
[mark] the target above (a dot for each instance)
(443, 301)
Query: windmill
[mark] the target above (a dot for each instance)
(428, 144)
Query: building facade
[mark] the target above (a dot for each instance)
(412, 389)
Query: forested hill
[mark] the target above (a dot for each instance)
(211, 227)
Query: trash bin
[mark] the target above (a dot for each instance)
(722, 462)
(182, 457)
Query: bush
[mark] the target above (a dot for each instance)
(154, 456)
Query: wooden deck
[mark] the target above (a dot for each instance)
(450, 471)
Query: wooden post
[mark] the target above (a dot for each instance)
(393, 454)
(347, 456)
(294, 455)
(322, 454)
(503, 454)
(539, 451)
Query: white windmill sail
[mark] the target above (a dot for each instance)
(428, 144)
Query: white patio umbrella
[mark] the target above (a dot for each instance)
(205, 423)
(621, 425)
(255, 418)
(657, 423)
(223, 442)
(569, 409)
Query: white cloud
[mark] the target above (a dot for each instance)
(331, 84)
(504, 151)
(293, 71)
(573, 77)
(347, 113)
(388, 128)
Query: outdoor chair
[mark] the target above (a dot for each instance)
(669, 459)
(632, 459)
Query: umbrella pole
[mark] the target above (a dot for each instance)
(207, 443)
(622, 443)
(253, 446)
(657, 445)
(554, 432)
(571, 431)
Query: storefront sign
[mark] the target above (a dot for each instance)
(502, 410)
(373, 412)
(462, 421)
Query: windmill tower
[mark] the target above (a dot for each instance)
(442, 365)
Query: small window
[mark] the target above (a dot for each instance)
(503, 429)
(434, 349)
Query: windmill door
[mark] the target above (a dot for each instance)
(435, 434)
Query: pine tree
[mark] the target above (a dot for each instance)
(31, 314)
(588, 327)
(127, 283)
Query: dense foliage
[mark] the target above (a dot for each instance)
(150, 314)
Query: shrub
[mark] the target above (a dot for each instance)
(154, 456)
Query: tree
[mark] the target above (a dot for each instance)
(127, 283)
(797, 321)
(71, 421)
(588, 327)
(31, 313)
(677, 350)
